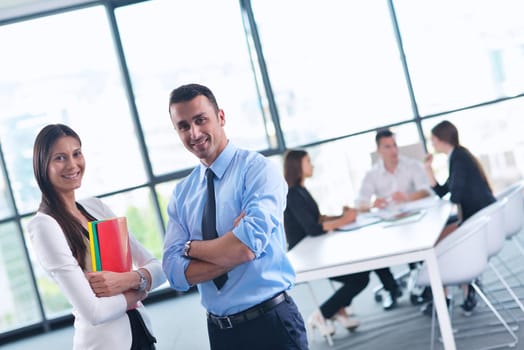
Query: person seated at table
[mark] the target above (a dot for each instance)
(393, 179)
(302, 218)
(467, 184)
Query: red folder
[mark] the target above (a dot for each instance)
(113, 247)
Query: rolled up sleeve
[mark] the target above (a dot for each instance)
(264, 202)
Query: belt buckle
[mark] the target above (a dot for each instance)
(224, 322)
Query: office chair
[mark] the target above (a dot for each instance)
(467, 244)
(512, 224)
(513, 212)
(496, 237)
(414, 150)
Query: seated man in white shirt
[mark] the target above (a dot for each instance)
(393, 179)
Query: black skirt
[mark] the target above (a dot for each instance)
(142, 338)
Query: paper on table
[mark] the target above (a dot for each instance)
(398, 211)
(363, 219)
(418, 204)
(406, 218)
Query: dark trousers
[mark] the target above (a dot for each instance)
(352, 285)
(386, 278)
(142, 338)
(281, 328)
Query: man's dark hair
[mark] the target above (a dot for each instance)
(382, 133)
(188, 92)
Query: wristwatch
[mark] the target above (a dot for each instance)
(187, 246)
(142, 286)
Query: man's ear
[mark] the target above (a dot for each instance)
(221, 117)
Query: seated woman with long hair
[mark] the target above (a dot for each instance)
(302, 218)
(467, 184)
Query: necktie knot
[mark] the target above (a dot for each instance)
(210, 175)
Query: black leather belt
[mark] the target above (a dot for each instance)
(226, 322)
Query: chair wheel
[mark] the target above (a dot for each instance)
(378, 297)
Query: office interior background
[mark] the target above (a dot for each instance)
(310, 74)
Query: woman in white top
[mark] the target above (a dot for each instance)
(103, 302)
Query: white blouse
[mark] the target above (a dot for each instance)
(101, 323)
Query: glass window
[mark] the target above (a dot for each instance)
(164, 192)
(63, 69)
(340, 167)
(335, 70)
(6, 206)
(180, 42)
(461, 53)
(54, 302)
(19, 306)
(494, 135)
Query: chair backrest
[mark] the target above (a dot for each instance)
(463, 255)
(415, 151)
(496, 233)
(510, 189)
(514, 209)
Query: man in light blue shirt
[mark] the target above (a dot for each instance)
(252, 309)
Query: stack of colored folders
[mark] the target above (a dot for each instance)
(109, 243)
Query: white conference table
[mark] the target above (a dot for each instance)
(377, 246)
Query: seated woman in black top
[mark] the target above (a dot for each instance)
(301, 218)
(467, 184)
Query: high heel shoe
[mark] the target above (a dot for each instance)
(347, 322)
(317, 321)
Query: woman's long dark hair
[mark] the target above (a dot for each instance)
(293, 167)
(51, 203)
(447, 132)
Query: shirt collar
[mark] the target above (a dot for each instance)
(382, 167)
(221, 163)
